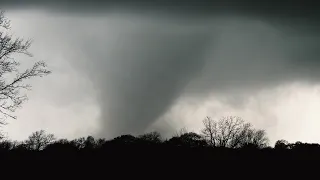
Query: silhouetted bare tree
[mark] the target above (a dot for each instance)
(12, 76)
(232, 132)
(254, 138)
(210, 131)
(152, 137)
(39, 140)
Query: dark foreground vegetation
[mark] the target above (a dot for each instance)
(221, 145)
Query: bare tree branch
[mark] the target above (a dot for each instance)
(12, 78)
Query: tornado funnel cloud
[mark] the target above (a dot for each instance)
(143, 74)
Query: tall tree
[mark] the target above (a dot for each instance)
(39, 140)
(12, 76)
(210, 131)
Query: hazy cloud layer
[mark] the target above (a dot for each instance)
(142, 61)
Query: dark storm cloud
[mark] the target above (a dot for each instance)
(139, 73)
(278, 9)
(143, 65)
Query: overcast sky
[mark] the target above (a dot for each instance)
(121, 67)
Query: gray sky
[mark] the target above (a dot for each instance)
(134, 67)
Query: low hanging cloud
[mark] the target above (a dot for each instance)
(146, 56)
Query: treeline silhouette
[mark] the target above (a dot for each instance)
(219, 139)
(224, 144)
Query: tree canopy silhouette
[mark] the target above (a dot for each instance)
(233, 142)
(39, 140)
(232, 132)
(187, 139)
